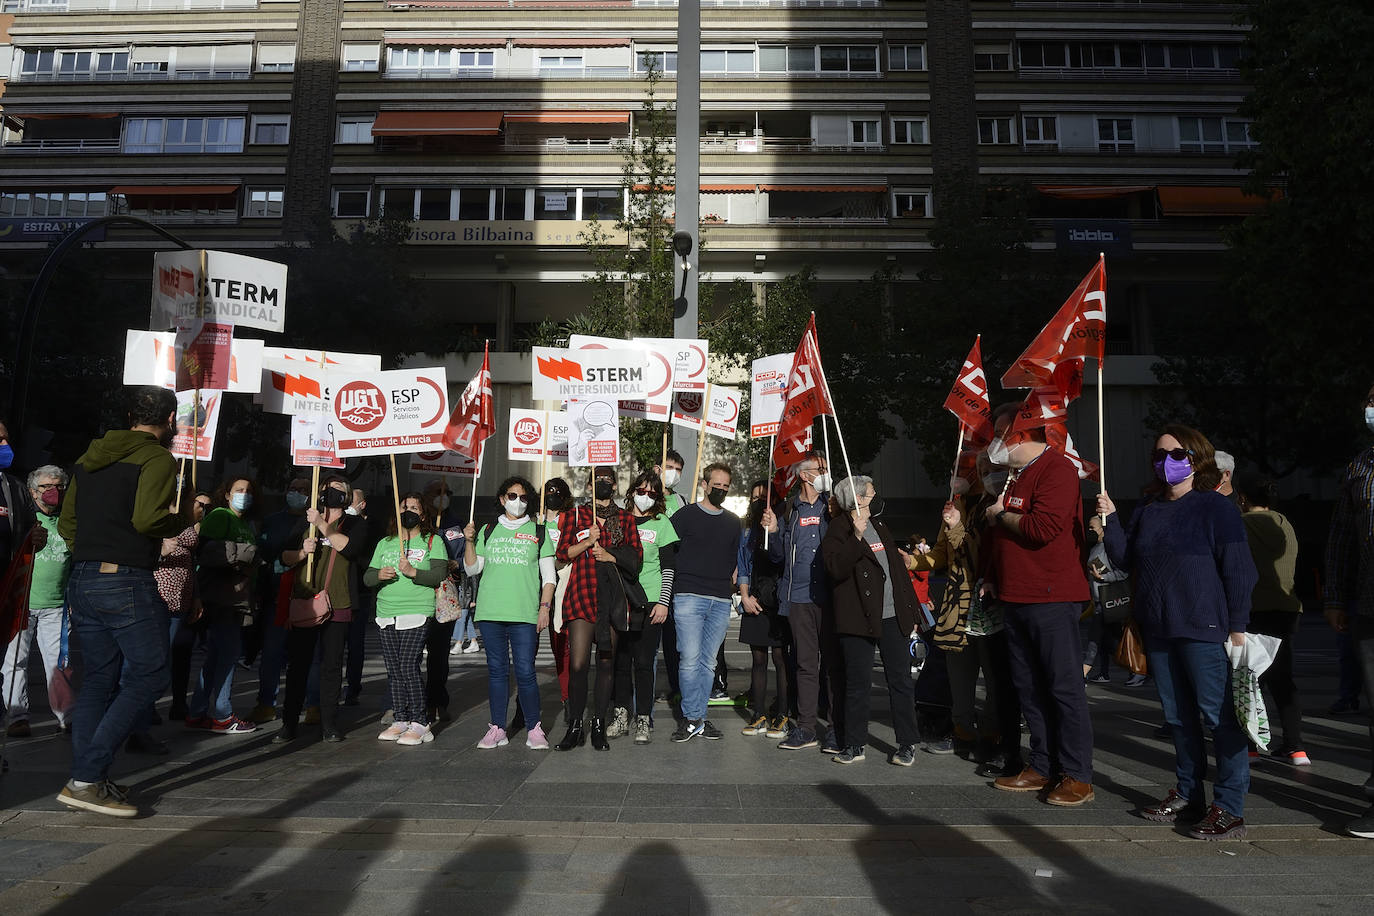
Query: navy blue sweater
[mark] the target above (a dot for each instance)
(1191, 565)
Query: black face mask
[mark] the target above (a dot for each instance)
(1090, 538)
(604, 489)
(553, 501)
(335, 499)
(410, 519)
(716, 496)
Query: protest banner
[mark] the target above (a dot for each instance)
(593, 433)
(196, 429)
(768, 393)
(537, 434)
(658, 396)
(238, 290)
(203, 354)
(294, 382)
(312, 442)
(562, 375)
(442, 461)
(688, 407)
(689, 357)
(383, 413)
(150, 359)
(722, 411)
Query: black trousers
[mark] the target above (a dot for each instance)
(893, 648)
(636, 658)
(818, 656)
(437, 638)
(1046, 656)
(364, 619)
(1278, 678)
(332, 637)
(670, 654)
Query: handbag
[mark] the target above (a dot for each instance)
(447, 607)
(61, 691)
(315, 610)
(1114, 598)
(1130, 652)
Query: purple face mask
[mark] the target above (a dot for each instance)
(1174, 471)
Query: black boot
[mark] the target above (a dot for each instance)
(599, 736)
(575, 737)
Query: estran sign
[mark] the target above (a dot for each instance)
(560, 375)
(497, 233)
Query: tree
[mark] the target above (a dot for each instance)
(1291, 361)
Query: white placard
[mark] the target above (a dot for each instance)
(239, 290)
(293, 382)
(562, 375)
(658, 397)
(312, 441)
(768, 393)
(533, 433)
(688, 408)
(384, 413)
(593, 433)
(150, 359)
(722, 414)
(368, 362)
(443, 462)
(689, 361)
(206, 425)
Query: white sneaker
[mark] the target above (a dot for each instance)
(472, 647)
(416, 734)
(495, 737)
(396, 730)
(456, 648)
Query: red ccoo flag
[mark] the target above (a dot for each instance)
(968, 399)
(1057, 435)
(1077, 331)
(474, 419)
(806, 400)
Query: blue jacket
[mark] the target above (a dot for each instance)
(802, 563)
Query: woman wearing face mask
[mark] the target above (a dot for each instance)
(342, 538)
(407, 566)
(637, 650)
(875, 609)
(601, 542)
(226, 579)
(762, 628)
(515, 561)
(1185, 546)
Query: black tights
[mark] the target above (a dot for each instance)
(758, 685)
(581, 634)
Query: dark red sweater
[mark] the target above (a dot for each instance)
(1044, 562)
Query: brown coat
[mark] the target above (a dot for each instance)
(856, 579)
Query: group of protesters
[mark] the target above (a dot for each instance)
(137, 571)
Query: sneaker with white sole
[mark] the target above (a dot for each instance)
(619, 725)
(643, 730)
(495, 737)
(394, 731)
(757, 726)
(101, 797)
(536, 739)
(232, 726)
(471, 647)
(416, 734)
(779, 727)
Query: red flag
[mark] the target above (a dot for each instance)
(1044, 406)
(1057, 435)
(806, 400)
(785, 478)
(1077, 330)
(968, 399)
(473, 421)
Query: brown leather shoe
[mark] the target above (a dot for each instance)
(1070, 793)
(1026, 781)
(1219, 824)
(1174, 808)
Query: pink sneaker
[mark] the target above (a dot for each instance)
(495, 737)
(535, 738)
(396, 730)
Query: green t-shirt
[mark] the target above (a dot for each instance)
(51, 567)
(654, 534)
(509, 592)
(223, 525)
(402, 595)
(672, 502)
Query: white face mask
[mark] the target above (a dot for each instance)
(671, 476)
(998, 453)
(352, 510)
(1369, 418)
(515, 507)
(821, 483)
(643, 502)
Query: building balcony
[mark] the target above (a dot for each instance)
(120, 6)
(1132, 74)
(61, 146)
(133, 76)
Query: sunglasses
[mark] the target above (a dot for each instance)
(515, 494)
(646, 491)
(1178, 454)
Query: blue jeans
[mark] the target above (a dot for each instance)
(271, 661)
(467, 627)
(504, 643)
(1194, 681)
(214, 693)
(122, 623)
(701, 622)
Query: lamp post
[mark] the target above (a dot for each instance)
(687, 182)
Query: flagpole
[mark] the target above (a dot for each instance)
(315, 495)
(181, 485)
(395, 494)
(472, 505)
(1101, 413)
(768, 485)
(701, 434)
(958, 454)
(543, 467)
(663, 462)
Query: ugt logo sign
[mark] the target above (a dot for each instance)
(360, 406)
(528, 432)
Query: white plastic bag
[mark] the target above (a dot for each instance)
(1248, 662)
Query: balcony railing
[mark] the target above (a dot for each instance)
(1157, 74)
(783, 4)
(599, 73)
(120, 6)
(742, 145)
(134, 76)
(62, 146)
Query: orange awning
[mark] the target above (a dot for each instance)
(1208, 201)
(1092, 192)
(175, 190)
(437, 124)
(827, 188)
(568, 117)
(706, 188)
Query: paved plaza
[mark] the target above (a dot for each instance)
(236, 825)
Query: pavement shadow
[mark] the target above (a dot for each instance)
(488, 875)
(677, 891)
(1076, 882)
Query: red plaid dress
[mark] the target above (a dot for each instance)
(580, 601)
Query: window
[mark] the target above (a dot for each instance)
(906, 57)
(663, 61)
(358, 56)
(1200, 135)
(848, 59)
(36, 62)
(263, 203)
(1040, 130)
(864, 132)
(397, 203)
(724, 60)
(510, 203)
(53, 203)
(564, 64)
(476, 60)
(1115, 135)
(991, 57)
(355, 128)
(787, 59)
(276, 58)
(555, 203)
(436, 203)
(183, 135)
(603, 203)
(474, 204)
(911, 204)
(1238, 135)
(271, 129)
(995, 131)
(351, 203)
(909, 130)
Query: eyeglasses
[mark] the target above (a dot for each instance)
(646, 491)
(1178, 454)
(515, 494)
(203, 505)
(45, 487)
